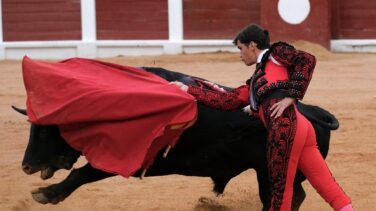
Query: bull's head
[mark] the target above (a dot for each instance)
(46, 151)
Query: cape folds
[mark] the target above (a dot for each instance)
(118, 116)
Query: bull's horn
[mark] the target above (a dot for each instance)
(166, 151)
(143, 174)
(19, 110)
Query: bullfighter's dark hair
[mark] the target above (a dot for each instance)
(255, 33)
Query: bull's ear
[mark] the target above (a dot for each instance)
(19, 110)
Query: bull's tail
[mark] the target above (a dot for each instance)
(319, 115)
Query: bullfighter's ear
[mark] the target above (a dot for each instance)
(19, 110)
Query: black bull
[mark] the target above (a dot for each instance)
(220, 145)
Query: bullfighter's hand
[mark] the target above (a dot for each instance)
(278, 108)
(214, 86)
(180, 85)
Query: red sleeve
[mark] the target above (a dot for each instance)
(299, 64)
(224, 100)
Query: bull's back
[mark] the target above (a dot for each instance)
(219, 143)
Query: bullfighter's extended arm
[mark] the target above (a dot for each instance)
(216, 98)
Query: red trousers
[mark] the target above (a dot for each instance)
(291, 144)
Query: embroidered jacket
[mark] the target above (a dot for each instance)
(299, 65)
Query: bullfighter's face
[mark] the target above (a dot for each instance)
(247, 53)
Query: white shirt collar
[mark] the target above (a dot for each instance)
(270, 57)
(261, 55)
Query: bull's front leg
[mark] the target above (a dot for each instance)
(58, 192)
(264, 187)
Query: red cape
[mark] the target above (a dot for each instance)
(119, 117)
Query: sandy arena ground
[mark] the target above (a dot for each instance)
(344, 84)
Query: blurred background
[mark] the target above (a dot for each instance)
(57, 29)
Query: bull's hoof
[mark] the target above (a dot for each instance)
(48, 195)
(47, 173)
(218, 194)
(39, 197)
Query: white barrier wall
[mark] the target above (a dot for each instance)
(90, 47)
